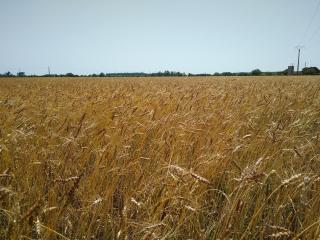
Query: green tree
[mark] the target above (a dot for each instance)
(8, 74)
(310, 71)
(256, 72)
(21, 74)
(70, 75)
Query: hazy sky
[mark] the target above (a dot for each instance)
(87, 36)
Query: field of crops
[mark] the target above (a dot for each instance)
(160, 158)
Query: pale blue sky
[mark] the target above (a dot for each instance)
(87, 36)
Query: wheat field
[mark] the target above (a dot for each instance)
(160, 158)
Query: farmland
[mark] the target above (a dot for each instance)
(160, 158)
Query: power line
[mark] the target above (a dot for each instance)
(310, 23)
(314, 35)
(299, 47)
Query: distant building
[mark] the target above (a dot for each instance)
(290, 70)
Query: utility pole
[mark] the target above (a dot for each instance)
(299, 52)
(49, 70)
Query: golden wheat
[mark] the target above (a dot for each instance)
(160, 158)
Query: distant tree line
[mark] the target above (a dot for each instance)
(310, 71)
(255, 72)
